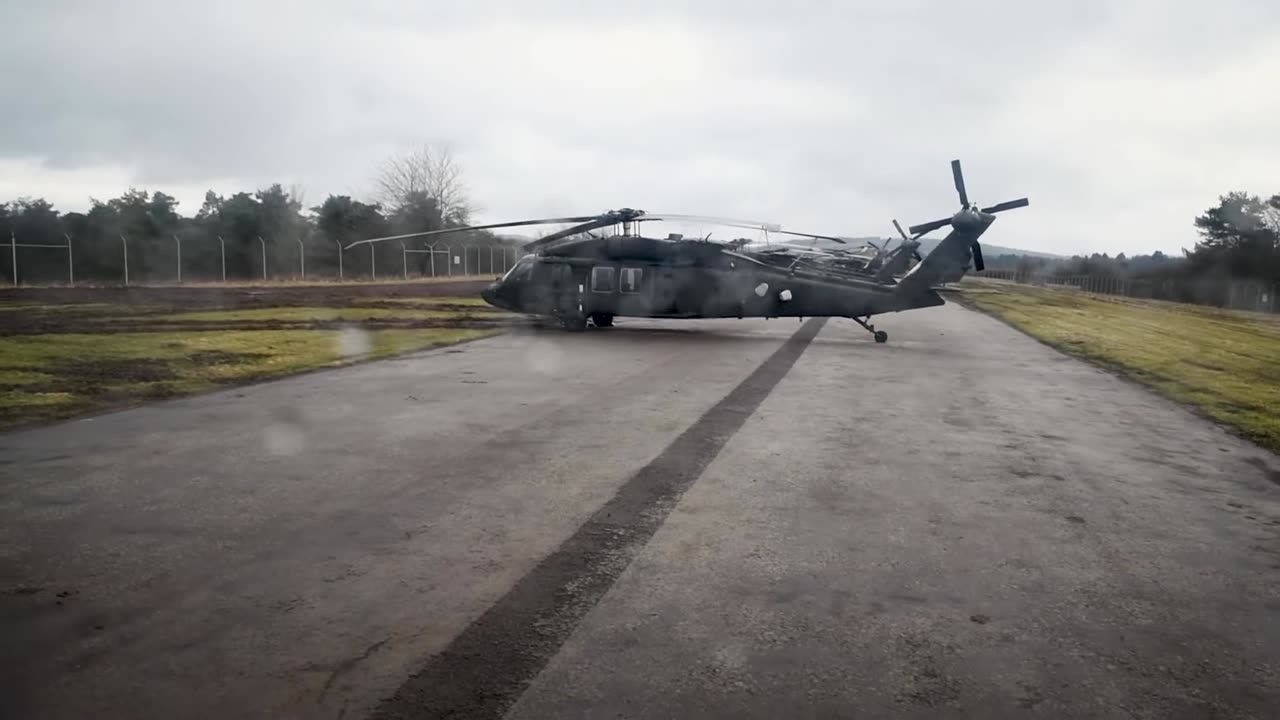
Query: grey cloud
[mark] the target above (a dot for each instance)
(827, 115)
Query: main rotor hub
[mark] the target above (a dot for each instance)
(625, 214)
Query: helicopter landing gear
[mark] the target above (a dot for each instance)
(879, 335)
(602, 320)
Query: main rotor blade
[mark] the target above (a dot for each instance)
(959, 178)
(592, 224)
(1008, 205)
(900, 232)
(732, 222)
(491, 226)
(745, 224)
(832, 238)
(918, 230)
(977, 257)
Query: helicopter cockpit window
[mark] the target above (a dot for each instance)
(602, 279)
(629, 280)
(519, 272)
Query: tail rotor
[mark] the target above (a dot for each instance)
(970, 217)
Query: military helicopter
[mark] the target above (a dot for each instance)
(579, 277)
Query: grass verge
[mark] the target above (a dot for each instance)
(1226, 364)
(66, 367)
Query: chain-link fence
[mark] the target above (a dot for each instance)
(23, 263)
(1224, 292)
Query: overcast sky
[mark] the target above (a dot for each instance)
(1121, 120)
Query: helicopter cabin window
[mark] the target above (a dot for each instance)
(602, 279)
(629, 280)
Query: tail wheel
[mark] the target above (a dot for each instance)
(881, 336)
(602, 320)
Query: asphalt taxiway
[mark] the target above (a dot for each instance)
(738, 518)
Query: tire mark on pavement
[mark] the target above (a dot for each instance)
(486, 668)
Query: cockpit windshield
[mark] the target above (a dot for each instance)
(520, 271)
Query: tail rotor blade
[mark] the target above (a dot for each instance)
(918, 230)
(959, 178)
(1009, 205)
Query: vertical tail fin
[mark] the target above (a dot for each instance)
(948, 262)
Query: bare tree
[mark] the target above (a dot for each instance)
(425, 170)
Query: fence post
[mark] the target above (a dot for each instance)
(302, 258)
(432, 248)
(339, 259)
(373, 263)
(71, 268)
(404, 258)
(125, 243)
(178, 241)
(263, 243)
(449, 248)
(222, 249)
(13, 252)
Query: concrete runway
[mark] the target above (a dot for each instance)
(668, 519)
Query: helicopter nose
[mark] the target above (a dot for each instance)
(490, 294)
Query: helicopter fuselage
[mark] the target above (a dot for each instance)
(578, 276)
(690, 284)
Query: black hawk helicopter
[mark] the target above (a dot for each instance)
(579, 277)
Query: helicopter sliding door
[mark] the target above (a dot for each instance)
(566, 291)
(662, 292)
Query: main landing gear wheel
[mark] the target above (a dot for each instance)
(602, 320)
(879, 335)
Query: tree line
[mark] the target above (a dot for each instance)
(424, 190)
(1239, 244)
(414, 191)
